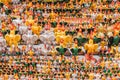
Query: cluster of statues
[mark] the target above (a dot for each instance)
(45, 39)
(39, 68)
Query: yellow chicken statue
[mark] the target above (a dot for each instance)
(53, 52)
(30, 52)
(58, 34)
(12, 38)
(36, 29)
(62, 39)
(91, 47)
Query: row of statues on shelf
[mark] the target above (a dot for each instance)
(80, 44)
(35, 67)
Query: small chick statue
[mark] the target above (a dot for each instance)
(29, 21)
(53, 52)
(53, 16)
(30, 52)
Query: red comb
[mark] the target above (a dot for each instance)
(12, 28)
